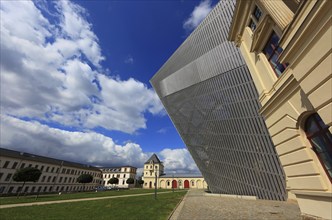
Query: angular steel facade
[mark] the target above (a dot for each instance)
(209, 95)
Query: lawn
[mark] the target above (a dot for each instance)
(64, 196)
(126, 208)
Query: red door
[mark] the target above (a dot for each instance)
(174, 184)
(186, 184)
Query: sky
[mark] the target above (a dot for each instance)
(75, 79)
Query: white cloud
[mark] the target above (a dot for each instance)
(129, 59)
(50, 70)
(199, 13)
(85, 147)
(178, 161)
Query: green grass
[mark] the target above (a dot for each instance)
(64, 196)
(126, 208)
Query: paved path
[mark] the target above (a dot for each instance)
(73, 200)
(197, 205)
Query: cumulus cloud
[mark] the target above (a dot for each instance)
(51, 70)
(178, 161)
(85, 147)
(198, 14)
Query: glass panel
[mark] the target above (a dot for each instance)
(252, 25)
(311, 126)
(274, 39)
(280, 68)
(268, 50)
(273, 60)
(257, 13)
(327, 160)
(319, 144)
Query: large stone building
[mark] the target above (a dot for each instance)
(57, 175)
(122, 173)
(257, 118)
(287, 48)
(154, 173)
(210, 96)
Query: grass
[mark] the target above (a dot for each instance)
(64, 196)
(126, 208)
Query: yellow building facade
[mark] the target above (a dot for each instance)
(154, 173)
(286, 45)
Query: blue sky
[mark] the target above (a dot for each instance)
(75, 79)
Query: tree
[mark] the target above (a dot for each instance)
(140, 182)
(113, 180)
(85, 178)
(28, 174)
(130, 181)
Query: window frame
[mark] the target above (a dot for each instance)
(322, 132)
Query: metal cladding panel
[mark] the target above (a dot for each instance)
(210, 96)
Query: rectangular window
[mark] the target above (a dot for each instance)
(43, 179)
(41, 168)
(49, 179)
(26, 189)
(52, 170)
(22, 165)
(272, 52)
(6, 164)
(1, 174)
(8, 177)
(2, 188)
(255, 17)
(14, 165)
(54, 179)
(60, 180)
(63, 170)
(33, 189)
(30, 165)
(36, 166)
(47, 168)
(10, 189)
(257, 13)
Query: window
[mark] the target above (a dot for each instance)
(8, 177)
(60, 180)
(124, 175)
(320, 139)
(33, 189)
(26, 189)
(272, 52)
(41, 168)
(168, 183)
(49, 179)
(36, 166)
(47, 168)
(192, 183)
(63, 170)
(43, 179)
(30, 165)
(54, 179)
(22, 165)
(10, 189)
(1, 174)
(255, 17)
(6, 164)
(14, 165)
(2, 188)
(52, 170)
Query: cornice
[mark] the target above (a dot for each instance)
(279, 93)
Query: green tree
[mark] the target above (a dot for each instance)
(85, 178)
(130, 181)
(113, 181)
(140, 182)
(28, 174)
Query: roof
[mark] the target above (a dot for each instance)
(154, 158)
(32, 157)
(185, 175)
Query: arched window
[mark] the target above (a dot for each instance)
(321, 140)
